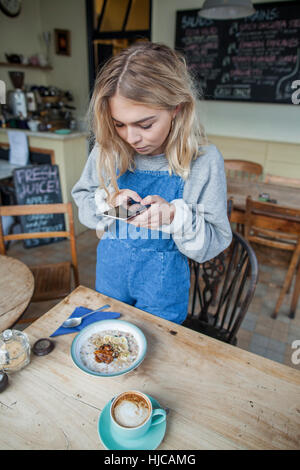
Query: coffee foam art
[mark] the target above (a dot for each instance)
(131, 411)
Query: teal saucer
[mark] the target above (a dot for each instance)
(149, 441)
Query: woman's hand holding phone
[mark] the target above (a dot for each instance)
(159, 213)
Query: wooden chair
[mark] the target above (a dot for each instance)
(190, 261)
(243, 169)
(222, 291)
(52, 281)
(274, 179)
(277, 227)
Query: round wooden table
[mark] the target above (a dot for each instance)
(16, 289)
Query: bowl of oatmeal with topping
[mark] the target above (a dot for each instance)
(109, 348)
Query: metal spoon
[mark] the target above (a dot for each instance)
(75, 321)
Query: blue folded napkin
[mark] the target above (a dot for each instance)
(78, 312)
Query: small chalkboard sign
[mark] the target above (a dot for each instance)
(39, 184)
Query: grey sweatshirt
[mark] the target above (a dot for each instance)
(200, 228)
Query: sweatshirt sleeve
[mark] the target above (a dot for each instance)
(89, 198)
(200, 228)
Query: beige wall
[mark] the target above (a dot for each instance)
(22, 35)
(69, 72)
(277, 158)
(261, 121)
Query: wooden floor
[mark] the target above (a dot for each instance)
(259, 333)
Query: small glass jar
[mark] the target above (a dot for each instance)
(14, 350)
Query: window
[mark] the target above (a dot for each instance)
(112, 26)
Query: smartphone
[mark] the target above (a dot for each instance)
(125, 213)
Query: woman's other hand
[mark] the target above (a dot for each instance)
(123, 197)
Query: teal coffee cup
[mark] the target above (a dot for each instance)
(132, 415)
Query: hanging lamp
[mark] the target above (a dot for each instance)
(226, 9)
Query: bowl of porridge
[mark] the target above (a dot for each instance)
(109, 348)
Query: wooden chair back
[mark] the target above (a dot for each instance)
(222, 290)
(28, 209)
(276, 227)
(267, 219)
(274, 179)
(243, 169)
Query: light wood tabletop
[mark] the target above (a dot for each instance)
(239, 190)
(219, 396)
(16, 289)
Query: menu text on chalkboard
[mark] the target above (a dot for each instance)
(250, 59)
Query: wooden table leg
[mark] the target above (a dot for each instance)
(287, 281)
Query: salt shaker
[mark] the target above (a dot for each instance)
(14, 350)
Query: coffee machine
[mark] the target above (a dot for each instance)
(17, 98)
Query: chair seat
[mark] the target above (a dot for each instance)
(52, 281)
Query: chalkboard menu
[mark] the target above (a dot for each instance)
(39, 184)
(250, 59)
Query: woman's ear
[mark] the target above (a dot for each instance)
(176, 110)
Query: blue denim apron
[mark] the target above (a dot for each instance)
(143, 267)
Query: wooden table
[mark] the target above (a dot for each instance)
(220, 397)
(16, 289)
(239, 190)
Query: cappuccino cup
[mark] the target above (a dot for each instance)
(132, 415)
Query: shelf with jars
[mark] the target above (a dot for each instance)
(26, 66)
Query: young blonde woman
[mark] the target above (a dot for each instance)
(149, 149)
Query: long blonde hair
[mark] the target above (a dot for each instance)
(156, 76)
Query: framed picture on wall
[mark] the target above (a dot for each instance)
(62, 42)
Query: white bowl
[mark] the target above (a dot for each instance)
(97, 328)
